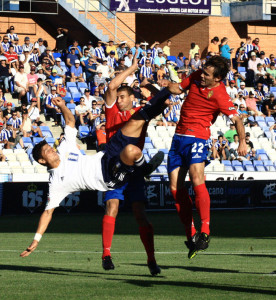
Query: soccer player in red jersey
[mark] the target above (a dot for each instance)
(119, 109)
(206, 99)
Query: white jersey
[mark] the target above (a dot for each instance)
(76, 172)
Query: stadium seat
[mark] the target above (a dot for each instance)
(273, 89)
(159, 145)
(270, 123)
(165, 150)
(260, 151)
(50, 141)
(236, 163)
(8, 151)
(17, 151)
(228, 169)
(263, 157)
(82, 85)
(257, 163)
(268, 163)
(148, 146)
(268, 134)
(152, 152)
(241, 69)
(147, 158)
(14, 163)
(262, 124)
(269, 119)
(37, 140)
(247, 163)
(270, 169)
(56, 55)
(28, 170)
(162, 169)
(83, 131)
(238, 168)
(147, 139)
(259, 118)
(251, 119)
(71, 84)
(218, 168)
(226, 162)
(171, 58)
(260, 168)
(249, 168)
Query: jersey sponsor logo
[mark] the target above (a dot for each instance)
(196, 156)
(72, 156)
(32, 197)
(232, 108)
(210, 94)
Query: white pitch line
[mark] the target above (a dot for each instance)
(143, 252)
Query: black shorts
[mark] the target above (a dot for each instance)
(115, 173)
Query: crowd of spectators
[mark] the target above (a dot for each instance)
(35, 74)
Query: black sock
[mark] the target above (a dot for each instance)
(141, 162)
(155, 106)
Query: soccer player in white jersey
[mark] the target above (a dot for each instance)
(71, 171)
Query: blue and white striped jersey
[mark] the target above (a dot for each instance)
(49, 98)
(146, 71)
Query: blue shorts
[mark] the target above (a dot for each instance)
(134, 190)
(186, 151)
(115, 173)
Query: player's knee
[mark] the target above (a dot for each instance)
(112, 207)
(132, 151)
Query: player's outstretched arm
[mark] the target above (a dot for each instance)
(44, 221)
(68, 116)
(111, 93)
(171, 86)
(242, 149)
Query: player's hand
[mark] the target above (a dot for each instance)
(58, 101)
(242, 149)
(30, 249)
(163, 82)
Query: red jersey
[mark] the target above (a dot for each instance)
(202, 106)
(11, 57)
(116, 119)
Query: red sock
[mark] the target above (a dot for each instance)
(202, 202)
(108, 227)
(184, 206)
(146, 235)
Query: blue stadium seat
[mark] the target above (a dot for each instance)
(228, 169)
(172, 58)
(27, 141)
(82, 85)
(146, 157)
(152, 152)
(71, 84)
(45, 128)
(262, 124)
(165, 158)
(268, 163)
(226, 162)
(238, 168)
(260, 168)
(162, 169)
(236, 163)
(260, 151)
(273, 89)
(144, 151)
(83, 131)
(263, 157)
(47, 133)
(269, 124)
(56, 55)
(268, 134)
(37, 140)
(247, 163)
(165, 151)
(50, 141)
(155, 178)
(251, 119)
(270, 168)
(241, 69)
(249, 168)
(147, 139)
(148, 146)
(269, 119)
(72, 107)
(259, 118)
(257, 163)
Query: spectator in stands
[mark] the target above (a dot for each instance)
(40, 93)
(104, 68)
(17, 48)
(234, 147)
(60, 69)
(128, 59)
(12, 35)
(232, 90)
(3, 136)
(121, 50)
(196, 62)
(213, 47)
(256, 45)
(101, 137)
(27, 128)
(4, 74)
(32, 80)
(99, 78)
(136, 90)
(82, 113)
(243, 113)
(222, 148)
(58, 141)
(111, 48)
(272, 135)
(251, 103)
(229, 134)
(71, 57)
(142, 61)
(242, 90)
(260, 74)
(259, 92)
(77, 47)
(85, 57)
(61, 39)
(180, 60)
(11, 55)
(24, 59)
(99, 51)
(192, 52)
(225, 50)
(167, 48)
(7, 113)
(21, 85)
(270, 106)
(253, 62)
(161, 73)
(159, 59)
(248, 46)
(27, 45)
(51, 109)
(48, 57)
(111, 61)
(76, 72)
(88, 98)
(272, 71)
(146, 71)
(98, 121)
(240, 99)
(33, 111)
(90, 69)
(97, 96)
(121, 65)
(39, 45)
(2, 103)
(43, 71)
(253, 155)
(5, 44)
(169, 116)
(272, 58)
(242, 58)
(55, 78)
(15, 120)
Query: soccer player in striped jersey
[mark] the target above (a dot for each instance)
(206, 99)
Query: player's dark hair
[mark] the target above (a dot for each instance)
(220, 65)
(128, 89)
(37, 150)
(235, 135)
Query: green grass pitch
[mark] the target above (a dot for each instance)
(239, 264)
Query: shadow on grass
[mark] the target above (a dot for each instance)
(207, 286)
